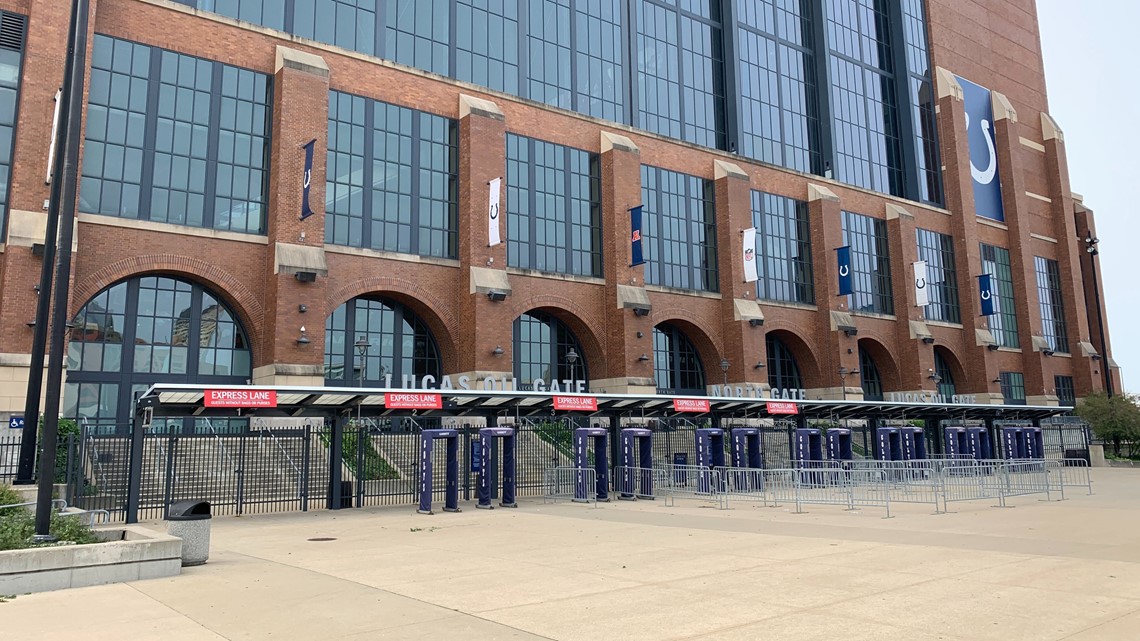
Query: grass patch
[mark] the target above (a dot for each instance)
(376, 468)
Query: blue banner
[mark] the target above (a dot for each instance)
(986, 292)
(307, 211)
(983, 155)
(635, 236)
(843, 257)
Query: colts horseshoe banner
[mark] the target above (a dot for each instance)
(843, 257)
(921, 291)
(493, 237)
(983, 156)
(986, 292)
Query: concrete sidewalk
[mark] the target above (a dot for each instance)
(1039, 571)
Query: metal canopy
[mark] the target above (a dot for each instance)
(171, 400)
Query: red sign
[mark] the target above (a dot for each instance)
(691, 405)
(576, 403)
(240, 398)
(776, 407)
(412, 401)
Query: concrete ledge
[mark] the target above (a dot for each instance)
(948, 84)
(744, 309)
(301, 61)
(630, 297)
(612, 141)
(485, 280)
(469, 105)
(290, 259)
(1049, 128)
(130, 554)
(895, 211)
(1002, 107)
(722, 169)
(819, 192)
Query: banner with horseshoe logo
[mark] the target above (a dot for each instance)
(986, 292)
(843, 258)
(983, 156)
(921, 291)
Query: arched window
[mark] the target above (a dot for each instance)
(542, 344)
(872, 381)
(946, 385)
(676, 364)
(146, 330)
(398, 344)
(783, 371)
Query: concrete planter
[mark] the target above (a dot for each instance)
(130, 554)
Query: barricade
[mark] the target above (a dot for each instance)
(635, 483)
(851, 484)
(744, 484)
(966, 481)
(1069, 472)
(690, 482)
(1021, 478)
(562, 483)
(914, 481)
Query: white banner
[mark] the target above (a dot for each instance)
(749, 242)
(921, 288)
(493, 237)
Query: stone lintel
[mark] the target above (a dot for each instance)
(948, 84)
(819, 192)
(744, 309)
(301, 61)
(919, 330)
(1050, 129)
(612, 141)
(983, 337)
(470, 105)
(291, 259)
(723, 169)
(630, 297)
(1002, 107)
(896, 211)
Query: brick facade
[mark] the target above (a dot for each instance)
(992, 43)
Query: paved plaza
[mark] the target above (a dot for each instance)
(640, 570)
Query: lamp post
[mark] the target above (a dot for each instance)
(724, 365)
(1090, 247)
(843, 374)
(362, 347)
(572, 358)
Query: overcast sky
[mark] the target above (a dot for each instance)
(1095, 98)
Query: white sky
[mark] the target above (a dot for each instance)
(1095, 98)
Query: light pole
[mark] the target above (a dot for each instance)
(1090, 246)
(362, 347)
(843, 374)
(572, 357)
(724, 365)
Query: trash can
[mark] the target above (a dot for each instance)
(190, 521)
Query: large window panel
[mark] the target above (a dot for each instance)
(1012, 387)
(553, 208)
(541, 345)
(13, 31)
(921, 94)
(676, 364)
(941, 276)
(351, 24)
(678, 230)
(418, 33)
(1003, 323)
(1051, 304)
(392, 178)
(397, 343)
(175, 139)
(870, 264)
(783, 249)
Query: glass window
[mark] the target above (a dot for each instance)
(1003, 323)
(941, 276)
(870, 264)
(680, 75)
(487, 43)
(13, 31)
(398, 343)
(783, 371)
(417, 33)
(678, 230)
(542, 344)
(267, 13)
(676, 364)
(921, 94)
(863, 100)
(575, 56)
(1066, 393)
(351, 24)
(176, 331)
(554, 207)
(869, 374)
(175, 139)
(1013, 387)
(778, 100)
(783, 249)
(946, 386)
(398, 165)
(1051, 304)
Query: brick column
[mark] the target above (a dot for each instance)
(743, 342)
(1085, 226)
(838, 350)
(1070, 252)
(482, 157)
(628, 335)
(296, 247)
(1007, 141)
(980, 369)
(915, 359)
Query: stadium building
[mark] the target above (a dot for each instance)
(791, 199)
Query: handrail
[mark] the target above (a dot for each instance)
(221, 446)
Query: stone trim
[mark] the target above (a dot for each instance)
(291, 259)
(722, 169)
(484, 280)
(1044, 238)
(168, 228)
(611, 141)
(819, 192)
(470, 105)
(746, 310)
(287, 58)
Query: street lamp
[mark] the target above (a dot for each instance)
(843, 374)
(1090, 247)
(572, 357)
(362, 346)
(724, 365)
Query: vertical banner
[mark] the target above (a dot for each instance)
(986, 292)
(921, 291)
(843, 257)
(978, 103)
(493, 237)
(307, 181)
(750, 275)
(636, 255)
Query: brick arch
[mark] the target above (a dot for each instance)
(432, 309)
(791, 336)
(884, 362)
(580, 321)
(955, 365)
(240, 299)
(708, 347)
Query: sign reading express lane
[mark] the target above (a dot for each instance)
(240, 398)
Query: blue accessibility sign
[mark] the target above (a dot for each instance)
(16, 422)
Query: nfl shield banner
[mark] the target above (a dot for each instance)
(750, 275)
(493, 237)
(921, 291)
(986, 292)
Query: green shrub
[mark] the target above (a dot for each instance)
(18, 526)
(9, 496)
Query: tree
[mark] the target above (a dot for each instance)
(1114, 419)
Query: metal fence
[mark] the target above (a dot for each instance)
(9, 455)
